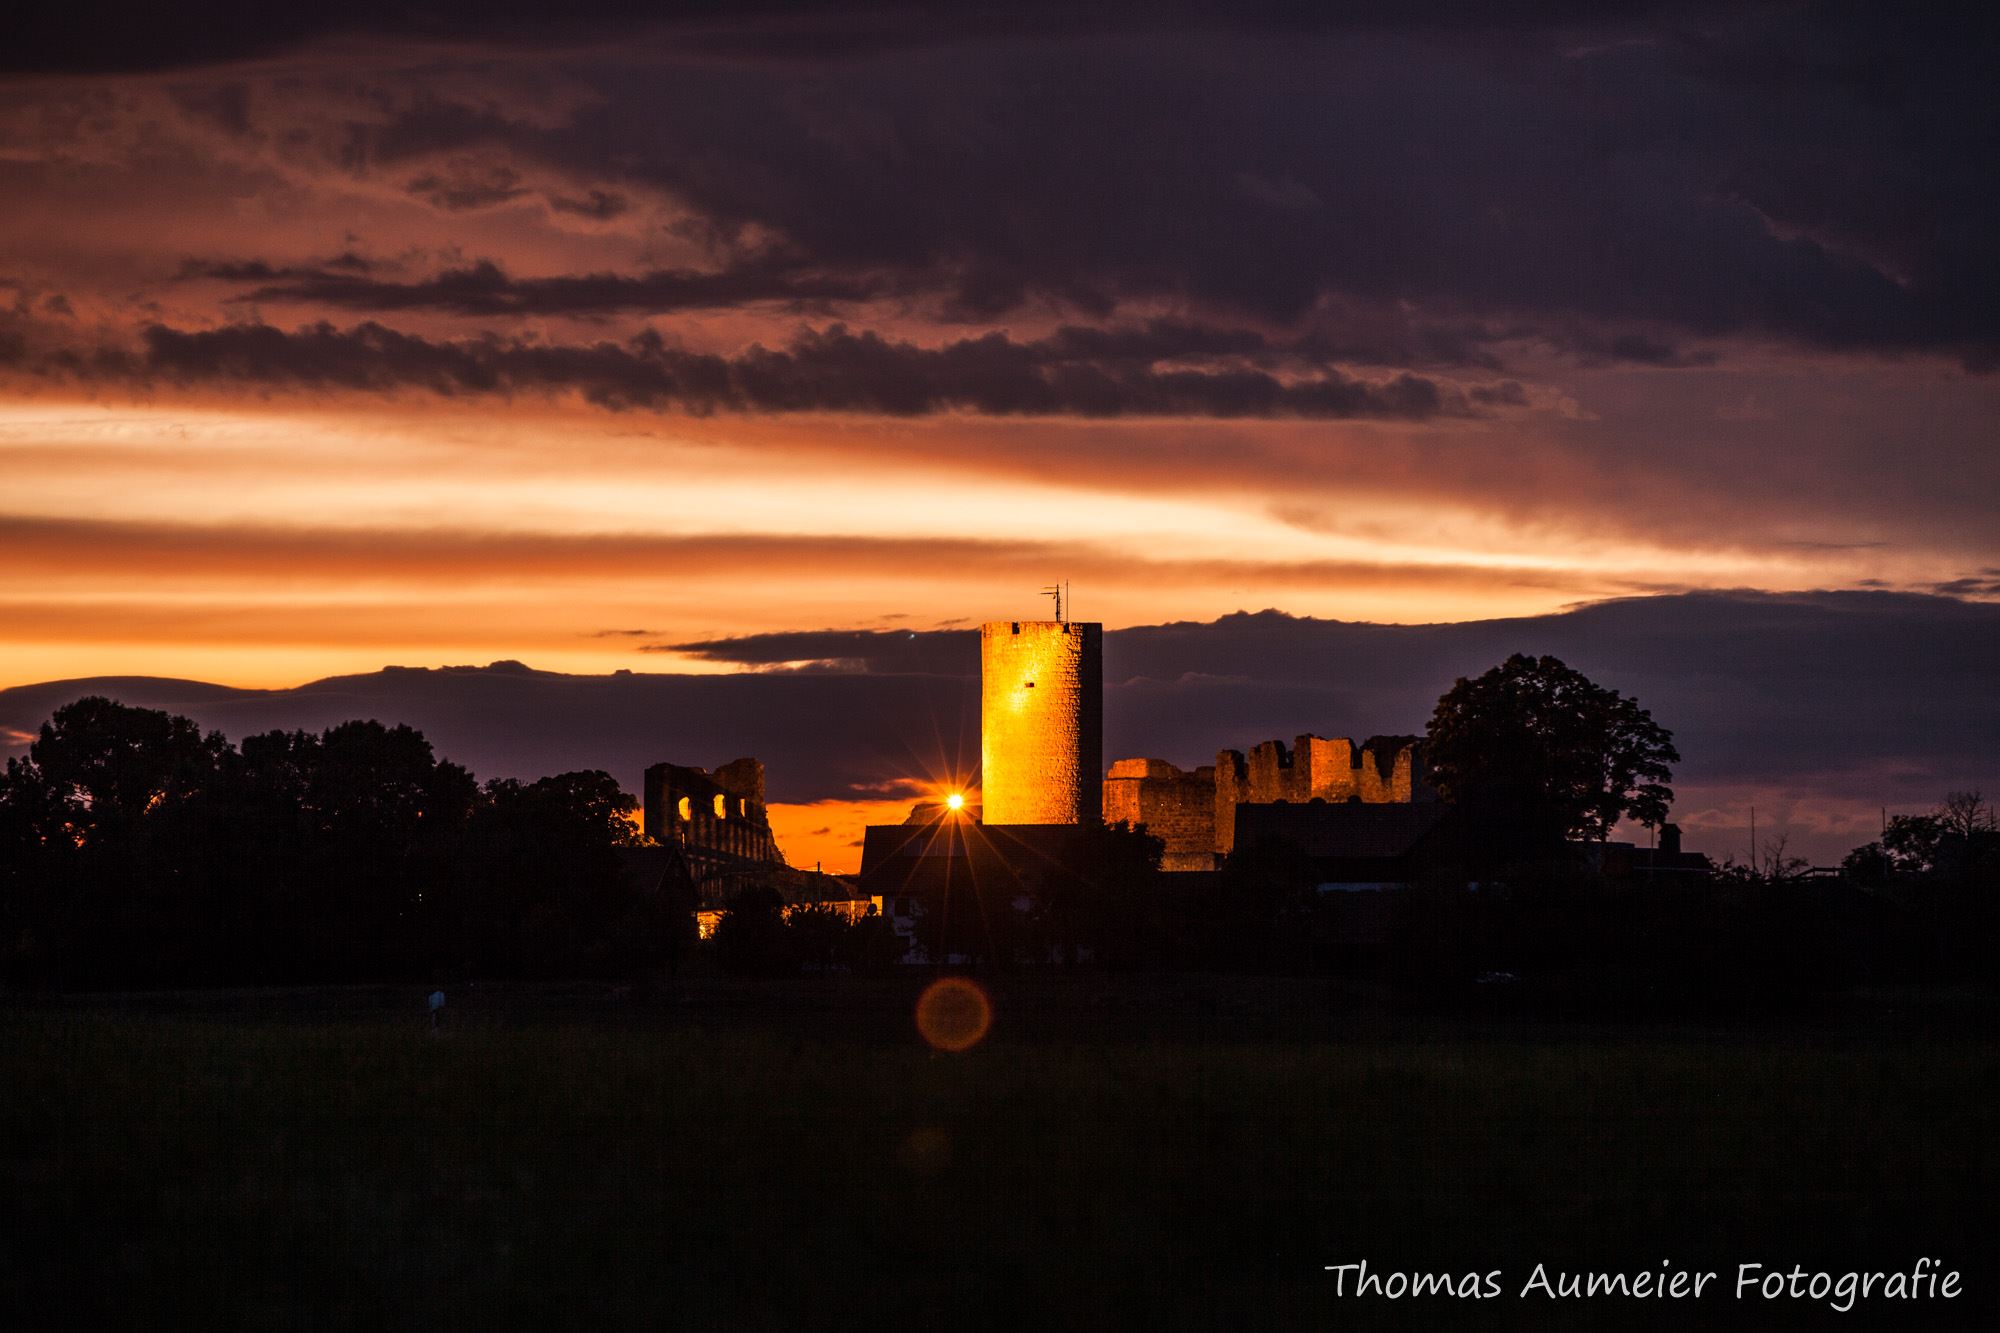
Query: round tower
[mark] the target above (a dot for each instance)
(1041, 722)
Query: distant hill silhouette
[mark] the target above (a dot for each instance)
(1862, 696)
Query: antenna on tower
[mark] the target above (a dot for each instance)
(1056, 591)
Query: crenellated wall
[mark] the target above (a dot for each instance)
(1382, 770)
(1195, 813)
(1041, 722)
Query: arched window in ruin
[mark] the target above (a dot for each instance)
(721, 806)
(686, 809)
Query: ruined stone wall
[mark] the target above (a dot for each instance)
(744, 777)
(1176, 807)
(1384, 770)
(1041, 721)
(720, 814)
(1232, 787)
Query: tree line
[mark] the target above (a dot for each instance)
(137, 850)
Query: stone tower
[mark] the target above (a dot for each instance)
(1041, 722)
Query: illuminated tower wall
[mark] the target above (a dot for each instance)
(1041, 722)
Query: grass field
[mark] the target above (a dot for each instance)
(1116, 1153)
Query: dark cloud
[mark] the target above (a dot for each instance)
(597, 205)
(343, 266)
(1595, 349)
(1350, 335)
(1507, 393)
(931, 652)
(1088, 373)
(225, 104)
(484, 288)
(97, 35)
(1630, 183)
(1640, 190)
(1984, 586)
(470, 187)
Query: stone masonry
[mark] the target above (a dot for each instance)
(1195, 813)
(717, 816)
(1176, 806)
(1041, 722)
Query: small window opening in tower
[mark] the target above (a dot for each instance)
(686, 808)
(721, 806)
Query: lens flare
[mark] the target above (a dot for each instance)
(953, 1014)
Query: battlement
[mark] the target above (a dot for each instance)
(1382, 770)
(1194, 813)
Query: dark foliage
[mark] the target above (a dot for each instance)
(550, 888)
(136, 851)
(751, 938)
(1537, 753)
(1104, 900)
(758, 935)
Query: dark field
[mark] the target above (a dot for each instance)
(1117, 1153)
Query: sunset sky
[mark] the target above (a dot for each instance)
(332, 338)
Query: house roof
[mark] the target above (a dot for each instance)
(895, 855)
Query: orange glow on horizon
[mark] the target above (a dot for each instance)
(826, 835)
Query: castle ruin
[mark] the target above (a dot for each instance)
(1194, 813)
(712, 817)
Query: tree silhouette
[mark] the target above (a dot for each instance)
(1965, 815)
(107, 816)
(543, 891)
(110, 767)
(1103, 897)
(750, 936)
(1958, 835)
(1911, 843)
(1540, 753)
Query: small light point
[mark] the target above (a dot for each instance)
(956, 801)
